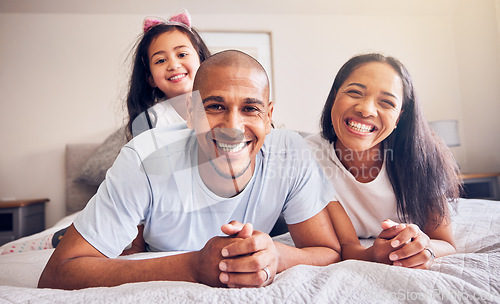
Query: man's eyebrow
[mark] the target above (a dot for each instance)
(213, 98)
(221, 99)
(253, 101)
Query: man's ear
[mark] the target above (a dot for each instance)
(269, 117)
(151, 81)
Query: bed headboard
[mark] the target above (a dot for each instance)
(86, 167)
(78, 194)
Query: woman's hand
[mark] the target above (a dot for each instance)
(382, 247)
(410, 247)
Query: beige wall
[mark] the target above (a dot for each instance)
(63, 78)
(478, 59)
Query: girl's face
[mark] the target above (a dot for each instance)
(367, 106)
(173, 62)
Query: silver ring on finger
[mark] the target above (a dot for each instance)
(433, 256)
(268, 275)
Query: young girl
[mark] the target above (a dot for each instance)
(385, 163)
(165, 62)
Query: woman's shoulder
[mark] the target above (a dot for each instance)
(315, 139)
(319, 144)
(283, 138)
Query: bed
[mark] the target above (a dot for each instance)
(471, 275)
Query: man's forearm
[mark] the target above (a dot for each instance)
(317, 256)
(84, 272)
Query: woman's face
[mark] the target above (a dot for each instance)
(367, 106)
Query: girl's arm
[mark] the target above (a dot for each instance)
(138, 244)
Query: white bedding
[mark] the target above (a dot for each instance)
(471, 275)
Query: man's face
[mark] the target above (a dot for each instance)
(231, 117)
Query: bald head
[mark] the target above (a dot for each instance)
(229, 59)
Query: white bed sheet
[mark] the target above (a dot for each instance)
(471, 276)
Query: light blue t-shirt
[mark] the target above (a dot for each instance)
(155, 181)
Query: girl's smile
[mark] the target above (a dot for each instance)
(178, 77)
(173, 62)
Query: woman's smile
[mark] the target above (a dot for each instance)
(360, 127)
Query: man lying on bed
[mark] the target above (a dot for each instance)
(186, 184)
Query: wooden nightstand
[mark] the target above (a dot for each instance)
(20, 218)
(481, 185)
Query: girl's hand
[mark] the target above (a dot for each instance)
(412, 248)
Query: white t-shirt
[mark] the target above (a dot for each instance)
(367, 204)
(160, 115)
(163, 114)
(155, 181)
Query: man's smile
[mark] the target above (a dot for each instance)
(231, 148)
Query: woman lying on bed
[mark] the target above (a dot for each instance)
(378, 150)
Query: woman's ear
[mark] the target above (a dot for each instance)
(335, 92)
(400, 113)
(151, 81)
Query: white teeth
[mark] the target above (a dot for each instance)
(360, 127)
(231, 148)
(178, 76)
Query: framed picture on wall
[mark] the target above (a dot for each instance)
(255, 44)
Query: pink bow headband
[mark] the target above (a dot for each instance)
(183, 19)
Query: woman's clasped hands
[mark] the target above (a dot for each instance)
(403, 245)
